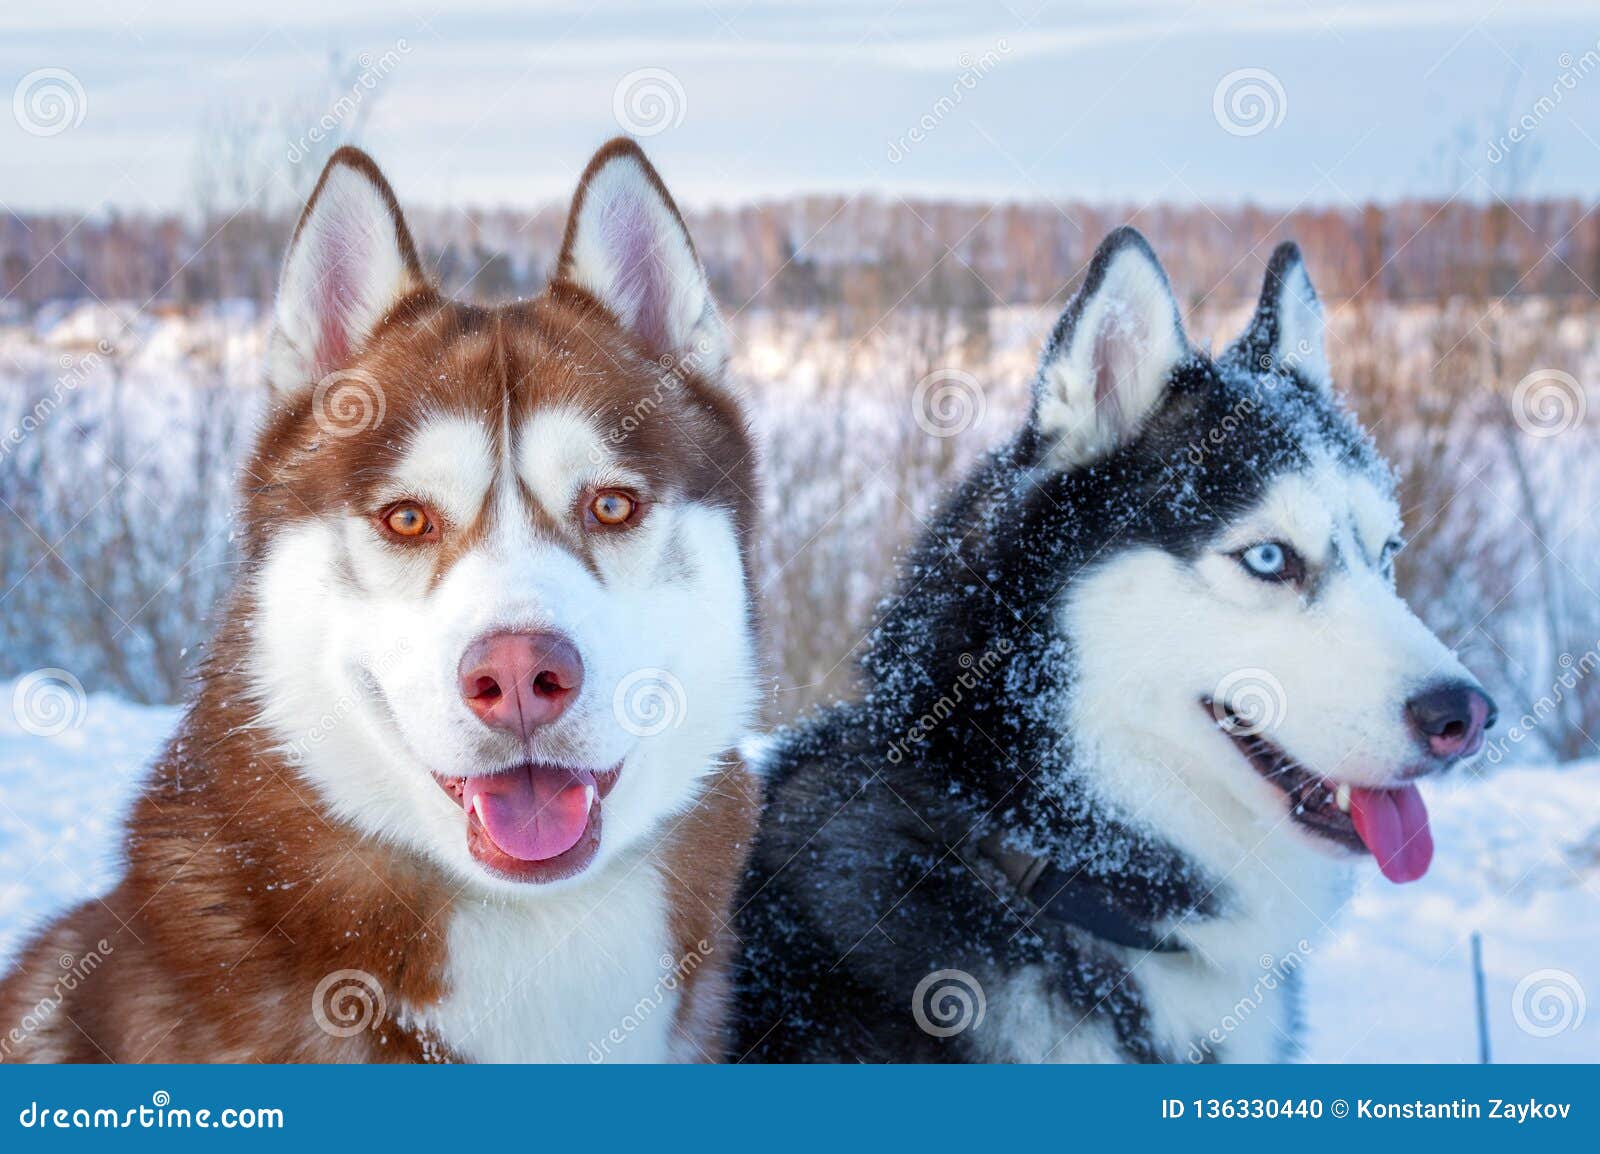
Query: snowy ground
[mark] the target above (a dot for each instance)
(62, 798)
(1518, 860)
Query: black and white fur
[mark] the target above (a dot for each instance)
(1042, 676)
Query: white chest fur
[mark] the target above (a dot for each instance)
(1203, 1012)
(1199, 1007)
(1226, 996)
(575, 976)
(1203, 1004)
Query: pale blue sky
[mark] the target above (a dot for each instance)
(500, 102)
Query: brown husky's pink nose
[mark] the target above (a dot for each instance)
(520, 681)
(1451, 719)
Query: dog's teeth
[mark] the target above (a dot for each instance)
(1343, 798)
(477, 806)
(588, 796)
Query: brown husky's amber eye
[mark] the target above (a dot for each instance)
(612, 507)
(407, 519)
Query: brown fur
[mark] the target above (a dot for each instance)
(241, 893)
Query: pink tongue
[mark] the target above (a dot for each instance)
(1394, 825)
(533, 812)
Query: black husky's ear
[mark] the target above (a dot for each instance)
(350, 262)
(1112, 352)
(626, 245)
(1286, 334)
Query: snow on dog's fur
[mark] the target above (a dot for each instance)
(1146, 693)
(457, 781)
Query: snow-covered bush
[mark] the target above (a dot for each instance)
(120, 436)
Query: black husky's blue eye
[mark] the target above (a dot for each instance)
(1265, 560)
(1273, 561)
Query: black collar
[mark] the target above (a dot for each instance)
(1052, 893)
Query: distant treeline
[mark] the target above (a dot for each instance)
(870, 253)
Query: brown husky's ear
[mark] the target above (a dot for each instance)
(351, 260)
(626, 245)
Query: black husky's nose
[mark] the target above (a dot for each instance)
(1452, 718)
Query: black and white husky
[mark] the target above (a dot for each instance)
(1144, 695)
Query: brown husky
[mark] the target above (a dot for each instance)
(457, 782)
